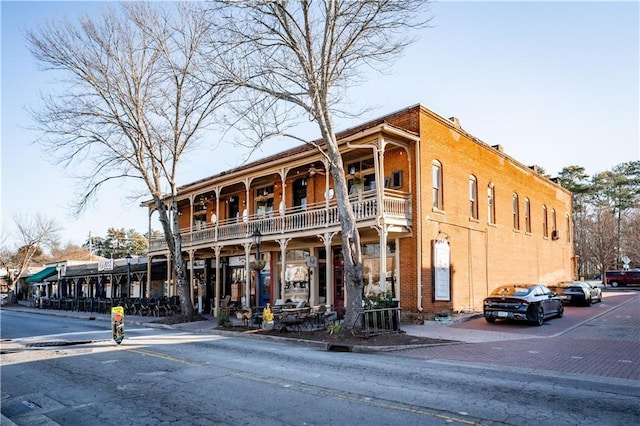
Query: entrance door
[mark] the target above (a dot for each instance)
(265, 288)
(338, 279)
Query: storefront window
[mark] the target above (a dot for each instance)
(296, 276)
(373, 285)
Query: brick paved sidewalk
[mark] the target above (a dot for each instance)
(607, 345)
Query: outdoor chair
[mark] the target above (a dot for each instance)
(224, 306)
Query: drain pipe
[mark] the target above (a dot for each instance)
(419, 226)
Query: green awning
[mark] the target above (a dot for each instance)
(40, 276)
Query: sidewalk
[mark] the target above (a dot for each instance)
(433, 329)
(444, 330)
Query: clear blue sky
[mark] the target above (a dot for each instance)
(555, 83)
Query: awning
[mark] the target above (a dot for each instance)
(40, 276)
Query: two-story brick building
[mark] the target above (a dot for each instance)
(444, 218)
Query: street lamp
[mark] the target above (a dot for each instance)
(128, 257)
(257, 239)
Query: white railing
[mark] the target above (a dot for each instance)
(396, 207)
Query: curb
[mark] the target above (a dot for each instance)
(327, 346)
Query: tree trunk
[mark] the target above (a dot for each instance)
(171, 228)
(351, 250)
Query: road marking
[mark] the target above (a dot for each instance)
(303, 387)
(165, 357)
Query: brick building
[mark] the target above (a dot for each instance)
(444, 218)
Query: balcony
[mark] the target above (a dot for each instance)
(300, 221)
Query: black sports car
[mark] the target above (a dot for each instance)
(523, 302)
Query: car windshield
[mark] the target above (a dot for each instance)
(511, 290)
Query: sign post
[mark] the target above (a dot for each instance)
(117, 323)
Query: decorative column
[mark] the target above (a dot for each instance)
(327, 238)
(216, 302)
(283, 260)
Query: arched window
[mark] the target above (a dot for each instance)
(545, 224)
(473, 197)
(567, 227)
(436, 176)
(516, 212)
(527, 215)
(491, 206)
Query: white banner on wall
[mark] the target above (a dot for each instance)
(105, 265)
(442, 271)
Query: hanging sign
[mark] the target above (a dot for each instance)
(442, 271)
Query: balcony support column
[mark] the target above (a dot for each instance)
(327, 239)
(383, 234)
(279, 289)
(191, 281)
(247, 272)
(216, 302)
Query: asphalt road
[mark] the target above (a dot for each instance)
(176, 377)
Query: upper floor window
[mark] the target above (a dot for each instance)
(300, 193)
(516, 212)
(567, 227)
(264, 200)
(527, 215)
(473, 197)
(491, 207)
(436, 177)
(233, 207)
(545, 224)
(553, 220)
(361, 176)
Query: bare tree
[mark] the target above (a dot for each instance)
(296, 58)
(35, 233)
(133, 101)
(601, 238)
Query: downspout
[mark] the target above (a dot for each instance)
(419, 226)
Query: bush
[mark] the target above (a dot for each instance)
(223, 319)
(380, 301)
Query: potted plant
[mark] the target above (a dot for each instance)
(258, 264)
(267, 318)
(357, 179)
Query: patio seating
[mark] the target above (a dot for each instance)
(224, 306)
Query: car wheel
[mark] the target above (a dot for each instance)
(539, 320)
(490, 320)
(588, 301)
(560, 311)
(600, 298)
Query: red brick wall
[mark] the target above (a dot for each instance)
(483, 256)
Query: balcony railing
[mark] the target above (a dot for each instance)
(396, 209)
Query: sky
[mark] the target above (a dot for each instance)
(554, 83)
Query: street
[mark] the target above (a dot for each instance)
(160, 376)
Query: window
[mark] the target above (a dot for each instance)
(436, 177)
(264, 200)
(553, 221)
(527, 215)
(396, 179)
(545, 225)
(491, 208)
(300, 193)
(233, 207)
(567, 227)
(473, 197)
(516, 212)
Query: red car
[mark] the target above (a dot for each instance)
(622, 278)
